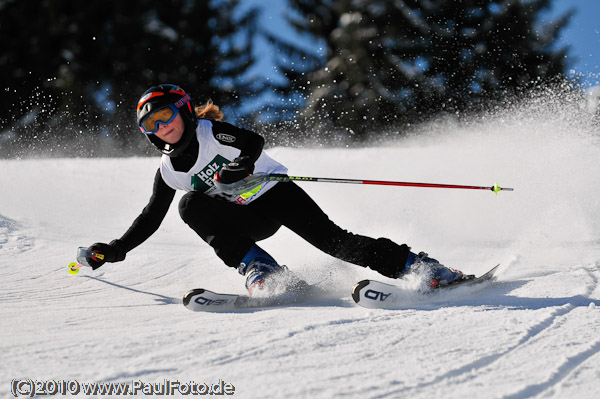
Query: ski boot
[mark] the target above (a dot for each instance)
(438, 274)
(257, 265)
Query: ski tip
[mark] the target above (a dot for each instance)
(492, 272)
(187, 297)
(357, 288)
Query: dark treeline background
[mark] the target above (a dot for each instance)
(71, 72)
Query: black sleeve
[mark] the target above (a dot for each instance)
(151, 217)
(249, 143)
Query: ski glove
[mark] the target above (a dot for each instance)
(240, 168)
(112, 253)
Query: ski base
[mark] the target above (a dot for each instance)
(202, 300)
(377, 295)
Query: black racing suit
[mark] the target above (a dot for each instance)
(231, 229)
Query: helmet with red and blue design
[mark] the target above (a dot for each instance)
(163, 97)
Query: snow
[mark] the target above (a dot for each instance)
(534, 333)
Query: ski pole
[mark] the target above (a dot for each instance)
(252, 182)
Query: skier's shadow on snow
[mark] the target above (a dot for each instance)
(161, 299)
(498, 296)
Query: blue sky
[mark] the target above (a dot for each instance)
(582, 35)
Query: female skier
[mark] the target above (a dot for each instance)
(199, 149)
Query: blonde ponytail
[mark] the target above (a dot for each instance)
(209, 111)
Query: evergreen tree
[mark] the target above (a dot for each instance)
(78, 68)
(391, 62)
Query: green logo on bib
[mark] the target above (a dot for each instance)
(203, 180)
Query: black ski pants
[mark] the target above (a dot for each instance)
(231, 229)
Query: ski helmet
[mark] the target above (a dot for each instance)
(163, 96)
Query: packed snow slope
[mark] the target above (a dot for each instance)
(534, 333)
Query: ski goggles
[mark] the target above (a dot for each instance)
(162, 116)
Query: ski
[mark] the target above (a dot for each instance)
(202, 300)
(377, 295)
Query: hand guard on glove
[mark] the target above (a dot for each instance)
(240, 168)
(112, 252)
